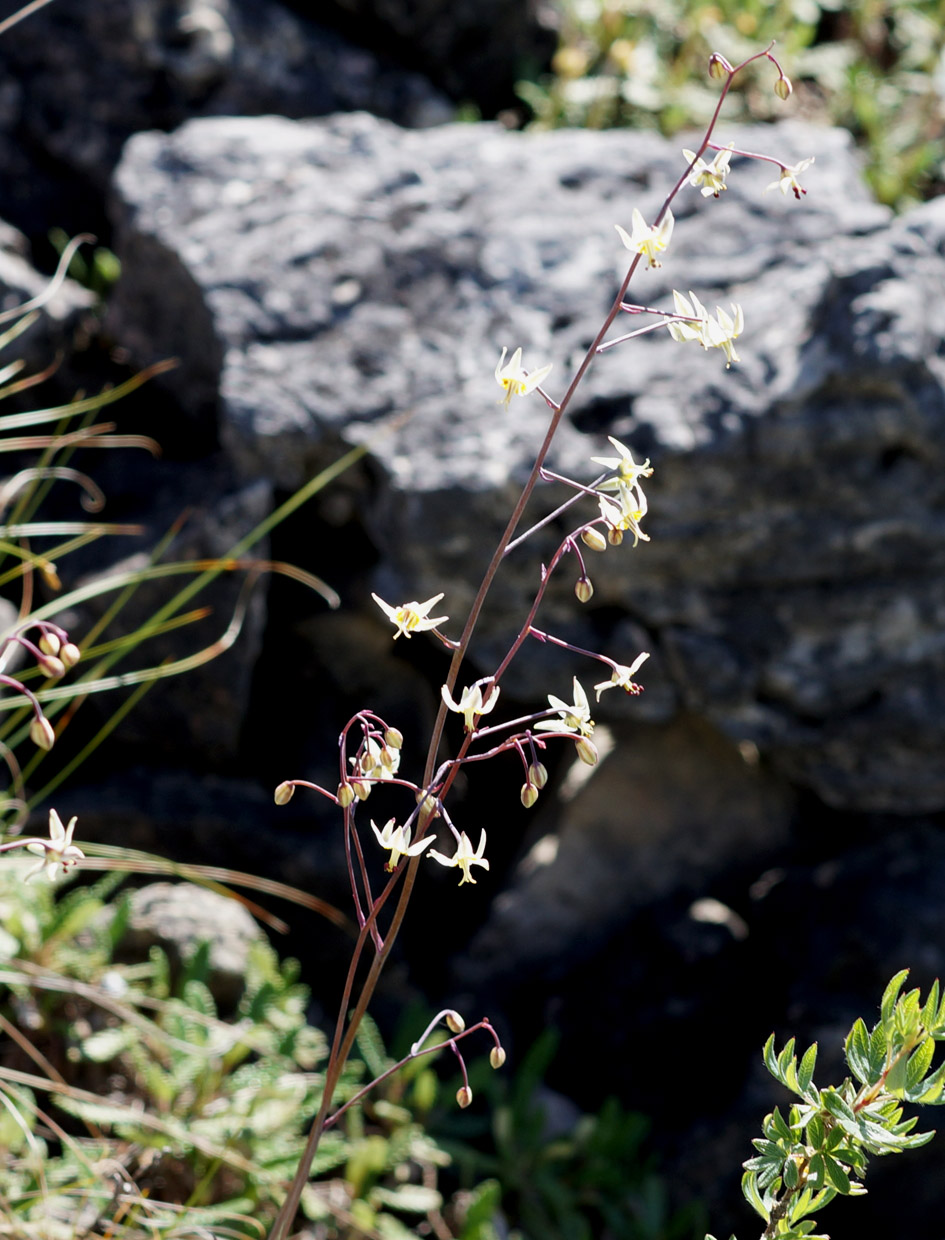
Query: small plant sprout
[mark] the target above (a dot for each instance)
(617, 504)
(464, 857)
(513, 380)
(646, 240)
(411, 617)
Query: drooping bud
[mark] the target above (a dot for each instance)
(719, 66)
(284, 793)
(49, 643)
(394, 737)
(587, 751)
(41, 733)
(427, 805)
(583, 590)
(51, 667)
(454, 1022)
(594, 539)
(538, 774)
(387, 758)
(345, 795)
(361, 790)
(464, 1096)
(614, 536)
(783, 88)
(529, 795)
(70, 654)
(497, 1057)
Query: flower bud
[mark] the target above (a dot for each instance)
(587, 751)
(529, 795)
(284, 793)
(497, 1057)
(345, 795)
(427, 805)
(41, 733)
(583, 590)
(361, 790)
(387, 758)
(614, 536)
(464, 1096)
(538, 774)
(394, 737)
(52, 667)
(719, 66)
(783, 88)
(454, 1022)
(49, 643)
(594, 539)
(70, 654)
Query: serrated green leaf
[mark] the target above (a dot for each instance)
(919, 1063)
(815, 1174)
(858, 1052)
(815, 1132)
(805, 1072)
(771, 1059)
(753, 1197)
(837, 1107)
(791, 1173)
(891, 994)
(931, 1091)
(836, 1176)
(930, 1009)
(780, 1126)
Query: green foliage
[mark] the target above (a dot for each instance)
(822, 1146)
(98, 273)
(193, 1111)
(874, 68)
(587, 1178)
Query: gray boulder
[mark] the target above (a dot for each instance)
(321, 280)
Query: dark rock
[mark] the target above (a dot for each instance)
(81, 78)
(350, 272)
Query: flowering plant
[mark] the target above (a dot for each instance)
(370, 747)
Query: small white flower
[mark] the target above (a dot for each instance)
(470, 704)
(622, 677)
(513, 380)
(717, 333)
(627, 512)
(397, 841)
(58, 851)
(711, 177)
(646, 240)
(464, 857)
(626, 467)
(787, 182)
(573, 717)
(411, 617)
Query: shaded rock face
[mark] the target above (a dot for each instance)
(345, 272)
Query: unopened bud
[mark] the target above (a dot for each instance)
(538, 774)
(284, 793)
(783, 88)
(529, 795)
(49, 643)
(70, 654)
(52, 667)
(345, 795)
(587, 751)
(41, 733)
(719, 66)
(361, 790)
(594, 539)
(464, 1096)
(614, 536)
(387, 758)
(47, 571)
(583, 590)
(454, 1022)
(497, 1057)
(427, 805)
(394, 737)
